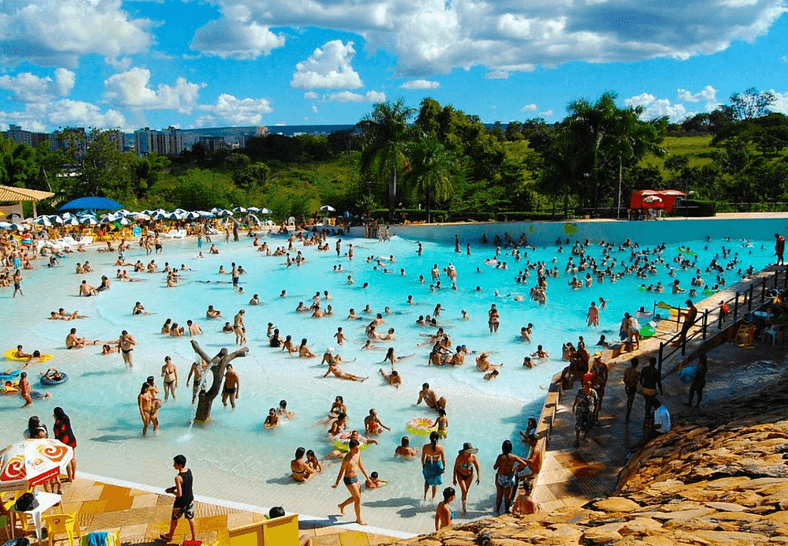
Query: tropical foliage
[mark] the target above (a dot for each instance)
(437, 162)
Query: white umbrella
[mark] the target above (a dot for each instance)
(173, 216)
(239, 209)
(124, 221)
(224, 213)
(6, 225)
(181, 212)
(141, 216)
(42, 221)
(192, 215)
(159, 215)
(67, 215)
(88, 220)
(206, 214)
(71, 222)
(265, 210)
(216, 210)
(33, 462)
(328, 208)
(123, 212)
(253, 209)
(55, 219)
(148, 212)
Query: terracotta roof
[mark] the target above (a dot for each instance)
(9, 193)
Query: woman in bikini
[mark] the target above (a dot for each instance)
(303, 350)
(464, 467)
(433, 464)
(300, 470)
(169, 374)
(149, 409)
(444, 516)
(506, 466)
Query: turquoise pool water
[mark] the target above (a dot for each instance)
(232, 456)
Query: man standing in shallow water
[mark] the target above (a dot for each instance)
(232, 384)
(348, 472)
(126, 342)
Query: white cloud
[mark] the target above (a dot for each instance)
(229, 110)
(64, 112)
(781, 102)
(497, 75)
(435, 36)
(131, 89)
(708, 94)
(314, 108)
(58, 32)
(656, 108)
(529, 108)
(349, 96)
(311, 95)
(235, 39)
(328, 68)
(546, 113)
(420, 84)
(27, 87)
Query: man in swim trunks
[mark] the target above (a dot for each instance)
(348, 472)
(213, 313)
(650, 380)
(126, 342)
(779, 248)
(631, 378)
(194, 328)
(689, 318)
(232, 386)
(430, 398)
(197, 371)
(184, 499)
(72, 341)
(393, 378)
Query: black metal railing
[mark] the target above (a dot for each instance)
(735, 306)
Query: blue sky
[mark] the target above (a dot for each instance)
(208, 63)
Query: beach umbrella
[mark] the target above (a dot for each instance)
(92, 203)
(123, 212)
(254, 210)
(181, 212)
(265, 210)
(71, 222)
(239, 209)
(88, 220)
(328, 208)
(141, 216)
(223, 213)
(206, 214)
(42, 221)
(33, 462)
(5, 225)
(124, 221)
(147, 212)
(67, 215)
(216, 210)
(192, 215)
(159, 215)
(173, 216)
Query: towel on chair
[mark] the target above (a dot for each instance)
(99, 539)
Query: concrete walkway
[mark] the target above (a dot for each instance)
(571, 476)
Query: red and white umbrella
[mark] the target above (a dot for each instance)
(33, 462)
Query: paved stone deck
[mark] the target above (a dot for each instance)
(571, 476)
(141, 516)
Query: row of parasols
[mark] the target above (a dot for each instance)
(124, 217)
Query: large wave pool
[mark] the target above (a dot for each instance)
(232, 457)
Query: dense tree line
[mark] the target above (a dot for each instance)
(436, 157)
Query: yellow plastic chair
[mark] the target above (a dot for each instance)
(22, 517)
(62, 523)
(281, 531)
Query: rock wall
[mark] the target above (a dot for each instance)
(719, 477)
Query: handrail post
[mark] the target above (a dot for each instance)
(749, 301)
(659, 359)
(736, 306)
(763, 289)
(705, 322)
(719, 318)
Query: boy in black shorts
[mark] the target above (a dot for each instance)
(184, 498)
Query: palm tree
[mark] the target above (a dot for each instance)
(386, 140)
(432, 169)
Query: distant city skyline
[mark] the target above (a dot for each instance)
(221, 63)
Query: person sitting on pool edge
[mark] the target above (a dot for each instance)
(279, 512)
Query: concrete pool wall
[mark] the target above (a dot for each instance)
(671, 230)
